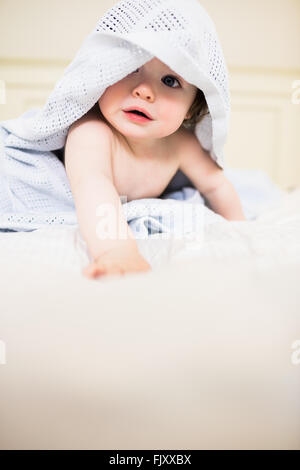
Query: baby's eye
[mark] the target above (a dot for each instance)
(170, 79)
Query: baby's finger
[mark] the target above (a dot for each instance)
(93, 270)
(114, 271)
(101, 271)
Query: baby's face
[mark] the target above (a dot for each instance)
(163, 94)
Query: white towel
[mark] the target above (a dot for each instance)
(34, 188)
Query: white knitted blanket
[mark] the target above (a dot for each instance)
(34, 189)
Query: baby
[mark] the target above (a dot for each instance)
(132, 143)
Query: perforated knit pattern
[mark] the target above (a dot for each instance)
(180, 34)
(217, 68)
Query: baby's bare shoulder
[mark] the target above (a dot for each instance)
(91, 131)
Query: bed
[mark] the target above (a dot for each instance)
(202, 352)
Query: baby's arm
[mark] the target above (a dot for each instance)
(89, 170)
(224, 200)
(210, 180)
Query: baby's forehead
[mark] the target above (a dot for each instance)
(158, 63)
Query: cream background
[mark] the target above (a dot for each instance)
(261, 43)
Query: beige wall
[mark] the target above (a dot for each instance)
(261, 43)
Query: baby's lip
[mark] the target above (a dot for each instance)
(142, 110)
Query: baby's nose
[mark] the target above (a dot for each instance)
(144, 93)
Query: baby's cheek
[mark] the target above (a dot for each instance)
(173, 117)
(174, 111)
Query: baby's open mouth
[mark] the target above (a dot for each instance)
(139, 113)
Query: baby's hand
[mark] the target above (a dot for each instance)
(117, 261)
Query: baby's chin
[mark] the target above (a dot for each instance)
(142, 133)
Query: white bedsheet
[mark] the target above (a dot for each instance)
(194, 354)
(274, 236)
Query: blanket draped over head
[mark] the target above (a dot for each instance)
(34, 188)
